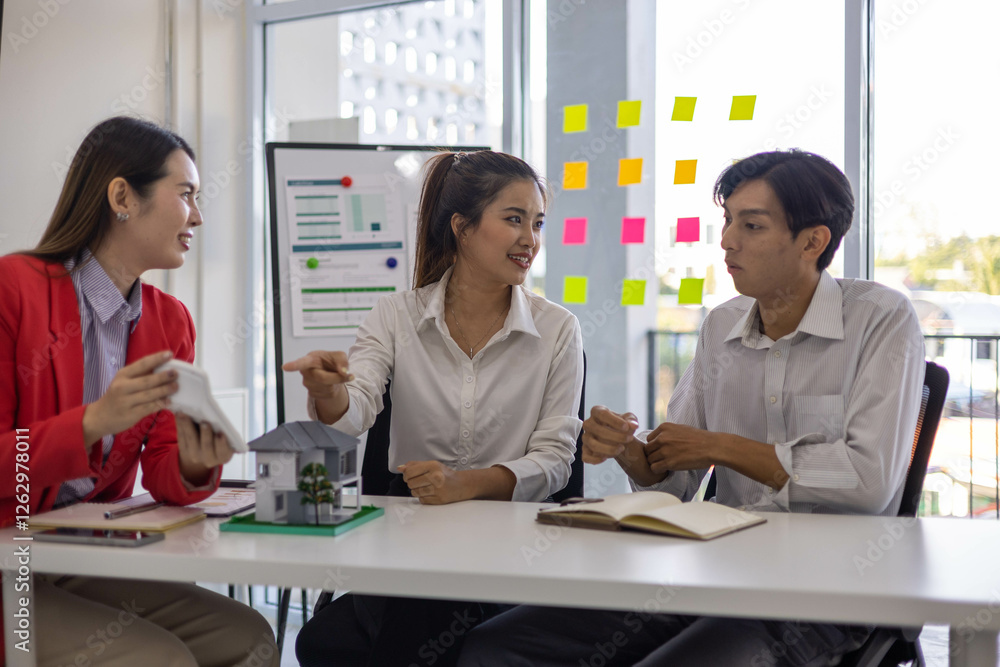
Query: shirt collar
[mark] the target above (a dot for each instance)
(518, 319)
(101, 293)
(824, 317)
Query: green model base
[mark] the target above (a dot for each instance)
(249, 524)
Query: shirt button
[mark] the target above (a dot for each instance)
(773, 400)
(777, 353)
(468, 379)
(464, 460)
(465, 434)
(795, 477)
(468, 404)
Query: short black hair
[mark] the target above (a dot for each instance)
(811, 189)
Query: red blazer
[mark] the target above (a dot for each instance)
(41, 392)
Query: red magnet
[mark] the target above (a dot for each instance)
(346, 181)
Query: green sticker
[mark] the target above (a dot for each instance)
(312, 262)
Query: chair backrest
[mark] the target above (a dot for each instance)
(375, 474)
(931, 407)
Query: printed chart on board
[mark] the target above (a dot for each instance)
(347, 249)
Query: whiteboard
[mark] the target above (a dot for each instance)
(342, 234)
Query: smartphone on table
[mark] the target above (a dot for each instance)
(108, 538)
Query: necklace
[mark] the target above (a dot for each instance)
(488, 329)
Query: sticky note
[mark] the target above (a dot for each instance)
(574, 231)
(684, 172)
(575, 176)
(742, 107)
(683, 108)
(633, 230)
(575, 118)
(629, 171)
(628, 112)
(690, 291)
(633, 292)
(688, 230)
(575, 289)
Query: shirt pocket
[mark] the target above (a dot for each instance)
(820, 414)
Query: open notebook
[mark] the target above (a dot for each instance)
(652, 512)
(91, 515)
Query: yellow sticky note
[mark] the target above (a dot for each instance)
(628, 112)
(633, 292)
(574, 176)
(575, 289)
(690, 291)
(684, 171)
(683, 108)
(630, 171)
(575, 118)
(742, 107)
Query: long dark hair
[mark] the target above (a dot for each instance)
(463, 183)
(130, 148)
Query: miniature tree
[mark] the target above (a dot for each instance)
(315, 486)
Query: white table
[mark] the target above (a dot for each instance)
(820, 568)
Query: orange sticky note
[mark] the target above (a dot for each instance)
(628, 112)
(688, 230)
(575, 176)
(574, 231)
(684, 171)
(633, 292)
(690, 292)
(742, 108)
(683, 108)
(633, 230)
(575, 289)
(575, 118)
(629, 171)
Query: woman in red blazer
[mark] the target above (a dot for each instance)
(128, 205)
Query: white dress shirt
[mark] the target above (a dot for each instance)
(515, 403)
(838, 398)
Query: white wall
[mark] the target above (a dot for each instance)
(63, 71)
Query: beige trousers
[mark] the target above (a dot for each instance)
(121, 622)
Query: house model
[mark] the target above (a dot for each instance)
(281, 456)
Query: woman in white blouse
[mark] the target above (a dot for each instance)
(486, 382)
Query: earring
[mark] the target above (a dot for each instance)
(122, 217)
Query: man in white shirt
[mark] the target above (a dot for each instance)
(804, 393)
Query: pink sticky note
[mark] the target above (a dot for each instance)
(688, 230)
(633, 230)
(575, 231)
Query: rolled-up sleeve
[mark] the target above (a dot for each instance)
(545, 466)
(862, 471)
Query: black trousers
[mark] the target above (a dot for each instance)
(549, 637)
(377, 631)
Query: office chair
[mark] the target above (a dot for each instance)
(890, 647)
(376, 478)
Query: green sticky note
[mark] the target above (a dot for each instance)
(742, 107)
(629, 112)
(312, 262)
(575, 289)
(690, 291)
(633, 292)
(683, 108)
(575, 118)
